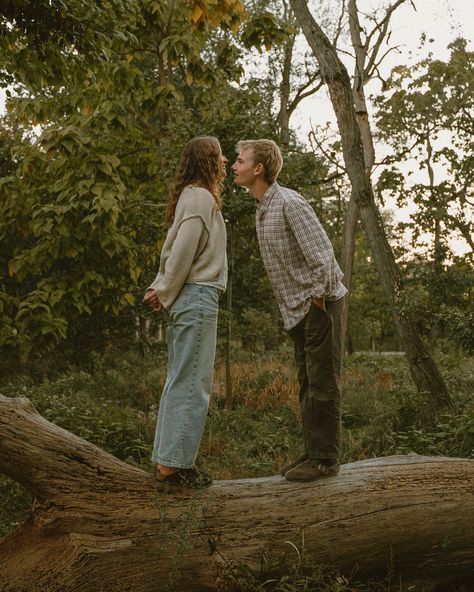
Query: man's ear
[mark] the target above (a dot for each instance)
(259, 168)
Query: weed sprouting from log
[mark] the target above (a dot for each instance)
(174, 531)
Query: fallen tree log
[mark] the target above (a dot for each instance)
(98, 524)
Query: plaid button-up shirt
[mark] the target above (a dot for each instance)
(297, 253)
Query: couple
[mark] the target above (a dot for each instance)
(306, 280)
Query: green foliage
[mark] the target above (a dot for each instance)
(394, 419)
(103, 422)
(439, 287)
(264, 29)
(260, 442)
(297, 573)
(91, 139)
(442, 301)
(259, 329)
(84, 152)
(44, 41)
(90, 146)
(458, 430)
(461, 327)
(75, 255)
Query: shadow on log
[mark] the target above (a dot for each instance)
(98, 524)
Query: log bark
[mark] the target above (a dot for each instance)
(423, 369)
(98, 524)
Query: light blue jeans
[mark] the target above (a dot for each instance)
(191, 334)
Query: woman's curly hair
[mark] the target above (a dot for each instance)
(201, 165)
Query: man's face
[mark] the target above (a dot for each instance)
(244, 170)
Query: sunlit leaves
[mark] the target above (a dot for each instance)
(225, 13)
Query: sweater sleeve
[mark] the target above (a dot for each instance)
(192, 219)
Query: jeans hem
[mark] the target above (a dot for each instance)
(174, 464)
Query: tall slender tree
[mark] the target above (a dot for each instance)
(367, 60)
(423, 369)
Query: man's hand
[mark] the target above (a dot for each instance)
(320, 303)
(151, 298)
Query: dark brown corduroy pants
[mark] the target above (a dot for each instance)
(317, 355)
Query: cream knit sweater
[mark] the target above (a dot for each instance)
(195, 246)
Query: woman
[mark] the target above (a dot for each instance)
(191, 277)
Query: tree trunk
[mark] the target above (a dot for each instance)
(358, 86)
(285, 88)
(288, 104)
(352, 213)
(439, 252)
(100, 525)
(422, 367)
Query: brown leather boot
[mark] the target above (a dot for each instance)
(293, 464)
(312, 469)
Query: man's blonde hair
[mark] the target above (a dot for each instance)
(265, 152)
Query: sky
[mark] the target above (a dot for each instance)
(442, 21)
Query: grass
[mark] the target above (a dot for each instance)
(114, 405)
(302, 576)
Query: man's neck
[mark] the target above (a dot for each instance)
(258, 189)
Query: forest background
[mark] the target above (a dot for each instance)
(100, 99)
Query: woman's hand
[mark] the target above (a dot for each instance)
(151, 298)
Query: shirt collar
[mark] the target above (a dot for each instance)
(267, 198)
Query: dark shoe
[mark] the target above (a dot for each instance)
(312, 469)
(293, 464)
(186, 478)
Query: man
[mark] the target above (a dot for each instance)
(306, 279)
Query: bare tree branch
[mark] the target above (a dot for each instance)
(375, 69)
(399, 155)
(339, 24)
(328, 179)
(302, 93)
(330, 157)
(382, 28)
